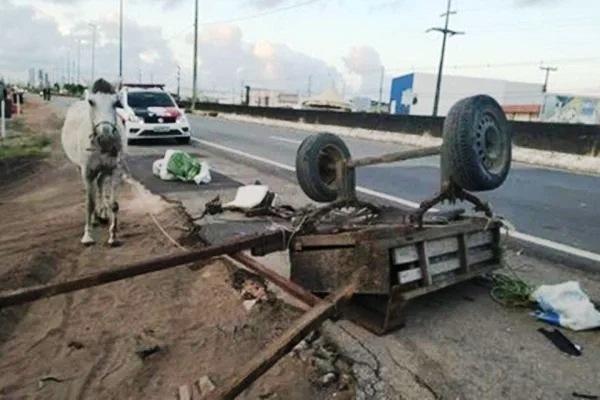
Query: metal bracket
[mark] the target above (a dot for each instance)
(451, 192)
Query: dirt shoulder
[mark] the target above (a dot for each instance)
(139, 338)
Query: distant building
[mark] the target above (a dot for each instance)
(413, 94)
(329, 99)
(570, 109)
(365, 104)
(261, 97)
(31, 81)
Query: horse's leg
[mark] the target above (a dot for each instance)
(90, 208)
(112, 207)
(101, 211)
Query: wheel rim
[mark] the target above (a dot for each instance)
(327, 159)
(490, 144)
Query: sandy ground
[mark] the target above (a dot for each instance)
(94, 344)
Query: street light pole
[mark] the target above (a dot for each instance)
(445, 31)
(93, 26)
(178, 82)
(120, 42)
(78, 61)
(195, 74)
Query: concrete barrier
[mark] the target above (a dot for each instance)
(564, 138)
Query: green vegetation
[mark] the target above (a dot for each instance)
(24, 145)
(511, 291)
(74, 90)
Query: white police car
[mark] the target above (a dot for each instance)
(149, 112)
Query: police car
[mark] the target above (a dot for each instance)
(150, 112)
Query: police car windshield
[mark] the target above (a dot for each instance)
(149, 99)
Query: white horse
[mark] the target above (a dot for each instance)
(92, 140)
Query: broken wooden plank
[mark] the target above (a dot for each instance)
(264, 360)
(33, 293)
(290, 287)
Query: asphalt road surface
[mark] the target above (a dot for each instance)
(556, 210)
(546, 204)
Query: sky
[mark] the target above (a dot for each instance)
(304, 45)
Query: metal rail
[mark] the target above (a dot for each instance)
(393, 157)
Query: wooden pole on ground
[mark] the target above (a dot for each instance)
(24, 295)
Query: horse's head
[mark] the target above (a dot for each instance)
(103, 104)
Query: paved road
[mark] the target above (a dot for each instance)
(546, 204)
(549, 204)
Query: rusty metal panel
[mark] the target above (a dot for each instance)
(323, 270)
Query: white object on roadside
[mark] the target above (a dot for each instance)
(159, 169)
(566, 305)
(204, 175)
(248, 197)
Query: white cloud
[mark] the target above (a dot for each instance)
(227, 61)
(364, 63)
(45, 47)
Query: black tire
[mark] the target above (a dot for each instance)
(183, 140)
(315, 165)
(477, 148)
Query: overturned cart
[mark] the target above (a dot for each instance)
(407, 252)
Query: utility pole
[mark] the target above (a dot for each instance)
(195, 76)
(445, 31)
(69, 66)
(309, 87)
(548, 70)
(94, 27)
(78, 61)
(381, 89)
(179, 82)
(120, 42)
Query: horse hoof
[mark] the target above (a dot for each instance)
(87, 241)
(114, 243)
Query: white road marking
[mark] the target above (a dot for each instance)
(561, 247)
(282, 139)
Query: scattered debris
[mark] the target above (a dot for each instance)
(178, 164)
(48, 378)
(185, 393)
(214, 206)
(248, 304)
(74, 344)
(566, 305)
(248, 197)
(586, 396)
(563, 343)
(146, 346)
(511, 291)
(205, 385)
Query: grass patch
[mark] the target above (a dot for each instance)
(24, 145)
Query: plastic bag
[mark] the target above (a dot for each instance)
(180, 165)
(566, 305)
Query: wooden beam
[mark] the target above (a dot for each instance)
(24, 295)
(264, 360)
(290, 287)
